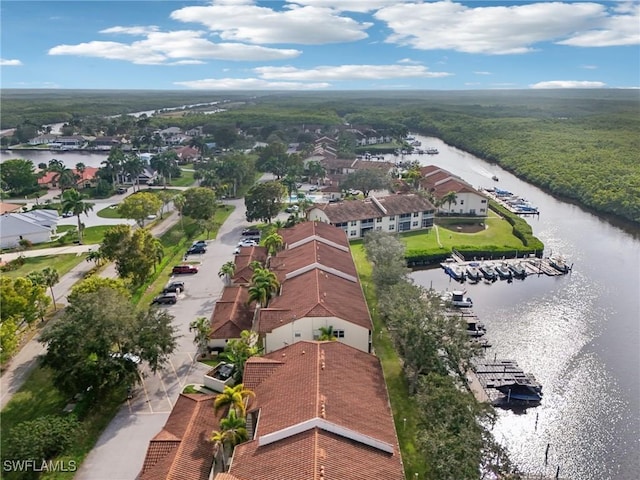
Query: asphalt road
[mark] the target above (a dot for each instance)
(120, 450)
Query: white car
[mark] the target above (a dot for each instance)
(247, 243)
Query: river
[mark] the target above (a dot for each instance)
(579, 334)
(68, 157)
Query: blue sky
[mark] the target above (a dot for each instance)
(319, 44)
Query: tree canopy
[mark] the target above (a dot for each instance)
(199, 203)
(139, 206)
(18, 176)
(365, 180)
(264, 201)
(93, 346)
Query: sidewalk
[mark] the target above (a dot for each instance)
(23, 362)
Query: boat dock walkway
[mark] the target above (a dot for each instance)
(532, 265)
(511, 202)
(487, 374)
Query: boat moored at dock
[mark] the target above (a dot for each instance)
(473, 273)
(488, 272)
(518, 270)
(503, 271)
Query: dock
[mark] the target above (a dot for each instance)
(511, 202)
(532, 265)
(488, 374)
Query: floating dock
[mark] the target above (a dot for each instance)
(486, 375)
(531, 265)
(511, 202)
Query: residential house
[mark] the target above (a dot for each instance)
(182, 448)
(391, 213)
(10, 207)
(231, 315)
(43, 139)
(36, 226)
(321, 411)
(187, 155)
(73, 142)
(106, 143)
(319, 289)
(86, 179)
(439, 182)
(243, 272)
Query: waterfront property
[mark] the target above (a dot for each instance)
(440, 183)
(36, 226)
(391, 213)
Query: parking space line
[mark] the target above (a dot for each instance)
(165, 391)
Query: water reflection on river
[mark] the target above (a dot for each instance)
(579, 334)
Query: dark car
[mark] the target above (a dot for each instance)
(165, 298)
(174, 287)
(200, 243)
(178, 269)
(197, 249)
(121, 190)
(225, 370)
(250, 232)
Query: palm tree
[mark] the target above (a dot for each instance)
(202, 328)
(227, 271)
(164, 164)
(66, 179)
(278, 224)
(219, 440)
(235, 429)
(96, 256)
(258, 294)
(264, 284)
(133, 167)
(413, 176)
(72, 201)
(233, 397)
(449, 198)
(50, 277)
(326, 334)
(273, 243)
(179, 201)
(315, 170)
(113, 163)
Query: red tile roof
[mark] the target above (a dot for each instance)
(305, 231)
(232, 314)
(316, 293)
(322, 432)
(352, 210)
(182, 448)
(243, 273)
(89, 173)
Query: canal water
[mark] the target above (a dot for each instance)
(69, 158)
(579, 334)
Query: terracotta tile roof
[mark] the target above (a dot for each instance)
(452, 185)
(182, 449)
(232, 314)
(352, 210)
(362, 164)
(9, 207)
(247, 255)
(335, 437)
(316, 293)
(314, 252)
(89, 173)
(307, 230)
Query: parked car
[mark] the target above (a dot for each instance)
(200, 242)
(67, 214)
(247, 242)
(195, 249)
(174, 287)
(165, 298)
(313, 188)
(250, 232)
(121, 190)
(292, 209)
(179, 269)
(127, 356)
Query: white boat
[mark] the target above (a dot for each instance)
(458, 299)
(431, 151)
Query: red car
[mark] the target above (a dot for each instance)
(178, 269)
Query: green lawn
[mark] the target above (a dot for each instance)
(109, 212)
(185, 180)
(403, 407)
(95, 234)
(62, 263)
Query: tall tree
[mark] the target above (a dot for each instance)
(165, 164)
(200, 203)
(366, 180)
(239, 350)
(113, 164)
(201, 329)
(264, 201)
(449, 198)
(139, 206)
(73, 201)
(91, 348)
(227, 271)
(235, 428)
(273, 243)
(19, 176)
(51, 277)
(179, 202)
(133, 166)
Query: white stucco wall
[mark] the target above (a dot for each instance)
(307, 329)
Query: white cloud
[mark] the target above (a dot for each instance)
(5, 62)
(496, 30)
(483, 73)
(249, 84)
(589, 67)
(347, 72)
(617, 30)
(138, 31)
(409, 61)
(568, 84)
(349, 5)
(163, 47)
(304, 25)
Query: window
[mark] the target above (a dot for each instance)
(392, 227)
(461, 202)
(472, 211)
(338, 333)
(341, 224)
(354, 223)
(414, 224)
(483, 201)
(415, 214)
(379, 220)
(378, 229)
(405, 215)
(353, 233)
(482, 210)
(297, 334)
(392, 218)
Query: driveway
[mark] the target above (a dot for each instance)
(141, 418)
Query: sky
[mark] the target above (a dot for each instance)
(319, 44)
